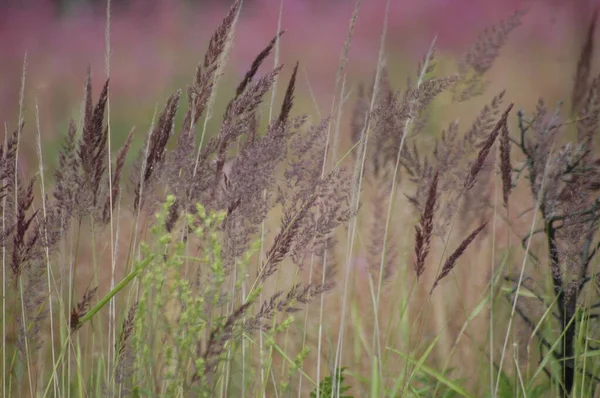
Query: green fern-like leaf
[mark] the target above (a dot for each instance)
(328, 386)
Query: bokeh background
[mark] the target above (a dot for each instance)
(155, 46)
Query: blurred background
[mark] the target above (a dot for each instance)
(156, 44)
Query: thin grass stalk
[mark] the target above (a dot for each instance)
(16, 188)
(493, 261)
(420, 318)
(324, 271)
(286, 338)
(522, 273)
(244, 347)
(424, 308)
(261, 258)
(468, 318)
(136, 288)
(26, 339)
(262, 224)
(49, 275)
(71, 287)
(357, 188)
(274, 384)
(272, 345)
(404, 302)
(518, 370)
(73, 254)
(492, 284)
(340, 75)
(216, 78)
(63, 323)
(407, 123)
(313, 98)
(225, 384)
(320, 333)
(547, 314)
(4, 340)
(276, 62)
(112, 336)
(139, 209)
(91, 346)
(310, 271)
(117, 233)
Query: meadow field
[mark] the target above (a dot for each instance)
(269, 198)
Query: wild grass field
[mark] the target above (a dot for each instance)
(296, 198)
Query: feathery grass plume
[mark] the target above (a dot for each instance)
(157, 148)
(8, 154)
(483, 124)
(184, 166)
(425, 228)
(35, 304)
(332, 209)
(448, 151)
(485, 149)
(249, 176)
(288, 99)
(218, 41)
(236, 121)
(304, 179)
(260, 320)
(301, 229)
(450, 158)
(239, 183)
(111, 197)
(219, 337)
(288, 303)
(66, 175)
(395, 112)
(417, 99)
(589, 115)
(291, 226)
(388, 116)
(81, 309)
(172, 216)
(447, 156)
(200, 91)
(24, 241)
(575, 234)
(92, 149)
(125, 353)
(451, 261)
(9, 173)
(505, 164)
(563, 183)
(256, 64)
(479, 58)
(584, 66)
(544, 128)
(241, 119)
(382, 187)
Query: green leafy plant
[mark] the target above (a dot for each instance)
(333, 386)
